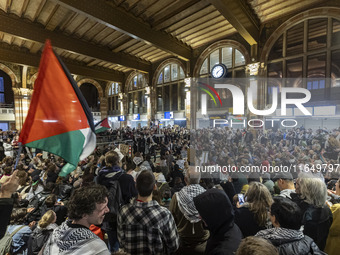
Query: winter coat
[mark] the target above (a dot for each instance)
(290, 241)
(333, 244)
(126, 182)
(216, 210)
(245, 219)
(317, 222)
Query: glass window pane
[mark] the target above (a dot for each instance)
(166, 98)
(141, 81)
(335, 71)
(174, 72)
(336, 32)
(317, 33)
(135, 82)
(239, 58)
(135, 102)
(294, 70)
(109, 93)
(317, 66)
(159, 99)
(295, 40)
(204, 67)
(160, 78)
(181, 73)
(276, 51)
(130, 98)
(2, 88)
(227, 56)
(167, 74)
(214, 58)
(183, 95)
(174, 97)
(275, 70)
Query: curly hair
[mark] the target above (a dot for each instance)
(18, 216)
(84, 200)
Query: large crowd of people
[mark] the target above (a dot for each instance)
(281, 197)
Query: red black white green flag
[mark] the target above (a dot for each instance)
(59, 120)
(102, 126)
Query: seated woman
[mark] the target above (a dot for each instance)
(252, 216)
(20, 238)
(286, 235)
(42, 232)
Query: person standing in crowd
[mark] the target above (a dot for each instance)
(286, 235)
(311, 198)
(217, 213)
(87, 206)
(285, 183)
(252, 216)
(6, 201)
(191, 232)
(145, 227)
(113, 172)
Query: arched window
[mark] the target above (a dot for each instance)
(308, 49)
(231, 57)
(230, 53)
(170, 87)
(113, 98)
(137, 99)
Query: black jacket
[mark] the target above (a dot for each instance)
(304, 246)
(126, 182)
(216, 210)
(245, 219)
(6, 207)
(290, 242)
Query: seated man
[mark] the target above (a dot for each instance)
(145, 227)
(286, 235)
(87, 206)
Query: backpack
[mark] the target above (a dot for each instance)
(39, 239)
(115, 199)
(6, 242)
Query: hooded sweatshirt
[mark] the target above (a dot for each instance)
(216, 210)
(74, 239)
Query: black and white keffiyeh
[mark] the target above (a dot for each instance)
(74, 240)
(281, 234)
(186, 204)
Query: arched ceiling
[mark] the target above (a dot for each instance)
(104, 39)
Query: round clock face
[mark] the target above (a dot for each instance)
(218, 71)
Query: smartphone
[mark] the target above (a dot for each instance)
(240, 199)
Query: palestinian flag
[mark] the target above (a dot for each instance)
(59, 120)
(102, 126)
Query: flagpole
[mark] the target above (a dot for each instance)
(18, 156)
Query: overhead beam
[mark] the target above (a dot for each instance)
(119, 20)
(22, 58)
(240, 16)
(35, 32)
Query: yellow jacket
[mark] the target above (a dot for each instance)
(333, 244)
